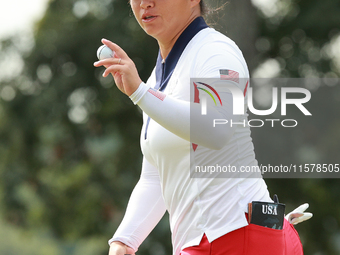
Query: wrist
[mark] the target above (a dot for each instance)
(139, 93)
(118, 243)
(132, 90)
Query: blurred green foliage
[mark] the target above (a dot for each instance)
(69, 140)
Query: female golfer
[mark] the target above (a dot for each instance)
(207, 215)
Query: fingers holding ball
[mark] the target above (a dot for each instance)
(104, 52)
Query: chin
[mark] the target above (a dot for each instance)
(151, 32)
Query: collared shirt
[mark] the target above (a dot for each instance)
(197, 206)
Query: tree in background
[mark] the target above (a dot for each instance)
(69, 140)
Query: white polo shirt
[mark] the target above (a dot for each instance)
(197, 206)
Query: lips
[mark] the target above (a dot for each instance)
(148, 17)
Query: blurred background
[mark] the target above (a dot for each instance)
(69, 140)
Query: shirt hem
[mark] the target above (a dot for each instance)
(217, 234)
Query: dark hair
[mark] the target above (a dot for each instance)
(203, 8)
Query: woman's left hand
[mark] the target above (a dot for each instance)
(122, 68)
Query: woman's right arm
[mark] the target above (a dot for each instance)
(145, 209)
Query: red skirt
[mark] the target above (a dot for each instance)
(251, 240)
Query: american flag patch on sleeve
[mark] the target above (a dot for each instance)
(226, 74)
(157, 94)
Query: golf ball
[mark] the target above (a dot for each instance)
(104, 52)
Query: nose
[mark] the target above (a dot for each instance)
(146, 4)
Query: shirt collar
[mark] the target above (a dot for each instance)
(163, 73)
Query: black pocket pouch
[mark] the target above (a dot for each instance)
(266, 214)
